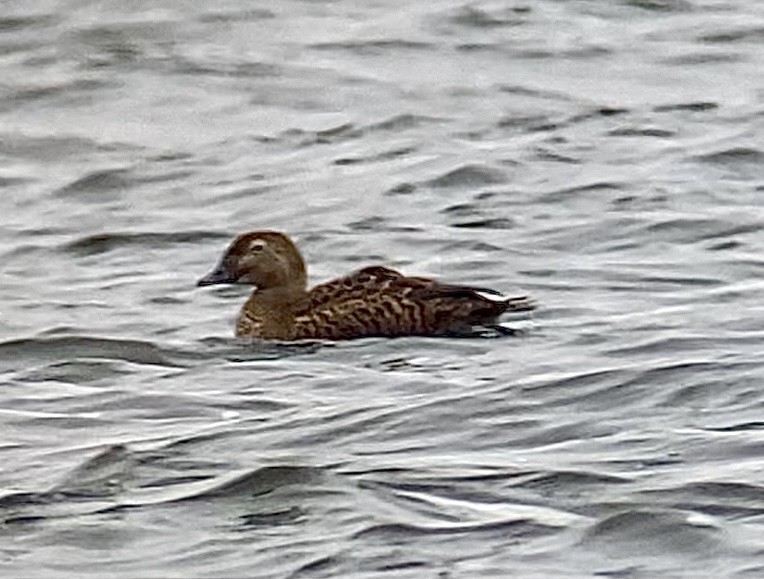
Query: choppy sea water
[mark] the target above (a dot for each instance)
(606, 158)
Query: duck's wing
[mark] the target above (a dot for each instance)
(383, 302)
(371, 279)
(480, 299)
(448, 307)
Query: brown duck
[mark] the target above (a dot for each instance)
(374, 301)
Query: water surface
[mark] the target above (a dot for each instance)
(605, 158)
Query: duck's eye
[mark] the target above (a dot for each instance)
(257, 246)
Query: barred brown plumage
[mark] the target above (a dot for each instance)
(374, 301)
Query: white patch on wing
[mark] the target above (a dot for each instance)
(491, 297)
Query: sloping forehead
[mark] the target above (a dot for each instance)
(243, 243)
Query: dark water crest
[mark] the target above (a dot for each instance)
(605, 157)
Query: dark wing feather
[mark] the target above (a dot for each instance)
(486, 299)
(453, 307)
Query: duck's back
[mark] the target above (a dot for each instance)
(378, 301)
(359, 284)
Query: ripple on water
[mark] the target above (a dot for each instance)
(653, 533)
(469, 176)
(104, 242)
(15, 352)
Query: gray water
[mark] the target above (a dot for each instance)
(606, 158)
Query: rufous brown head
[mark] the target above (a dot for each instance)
(266, 259)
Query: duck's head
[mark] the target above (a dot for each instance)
(266, 259)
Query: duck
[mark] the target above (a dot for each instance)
(375, 301)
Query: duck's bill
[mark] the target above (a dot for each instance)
(220, 274)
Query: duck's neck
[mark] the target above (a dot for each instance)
(272, 310)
